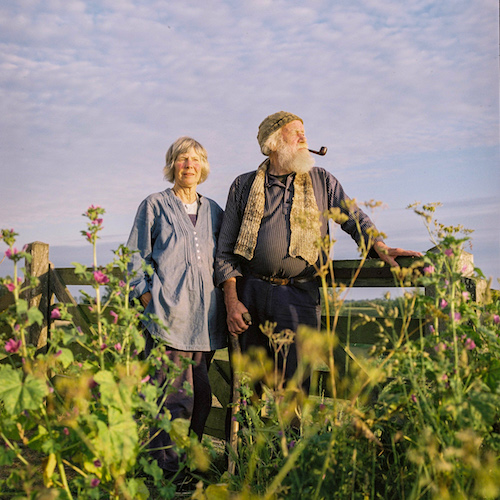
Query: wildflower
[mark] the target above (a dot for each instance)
(466, 295)
(11, 287)
(470, 344)
(118, 346)
(122, 284)
(496, 319)
(103, 346)
(115, 316)
(66, 431)
(95, 482)
(440, 347)
(456, 317)
(58, 353)
(291, 444)
(10, 252)
(55, 314)
(432, 329)
(444, 377)
(97, 462)
(429, 269)
(443, 303)
(145, 379)
(100, 278)
(13, 346)
(448, 252)
(414, 398)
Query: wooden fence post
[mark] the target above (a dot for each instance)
(40, 295)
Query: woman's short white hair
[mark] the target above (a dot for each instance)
(180, 146)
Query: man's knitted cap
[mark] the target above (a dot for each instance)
(271, 124)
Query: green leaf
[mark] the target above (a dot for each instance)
(112, 393)
(35, 316)
(492, 378)
(66, 357)
(18, 394)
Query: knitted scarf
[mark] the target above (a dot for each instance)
(304, 218)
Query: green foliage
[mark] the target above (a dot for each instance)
(75, 416)
(417, 417)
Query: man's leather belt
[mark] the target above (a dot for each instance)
(282, 281)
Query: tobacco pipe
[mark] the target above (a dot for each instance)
(322, 151)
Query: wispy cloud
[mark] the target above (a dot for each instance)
(92, 94)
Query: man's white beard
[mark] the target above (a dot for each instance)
(299, 161)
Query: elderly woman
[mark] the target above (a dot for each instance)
(175, 232)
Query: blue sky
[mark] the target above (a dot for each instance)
(403, 94)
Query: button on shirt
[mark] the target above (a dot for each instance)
(189, 306)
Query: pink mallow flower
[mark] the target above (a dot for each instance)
(448, 252)
(470, 344)
(440, 347)
(55, 314)
(443, 304)
(496, 319)
(13, 346)
(457, 316)
(11, 286)
(10, 252)
(118, 346)
(100, 278)
(95, 482)
(429, 269)
(114, 315)
(466, 295)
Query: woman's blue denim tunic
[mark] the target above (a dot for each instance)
(181, 255)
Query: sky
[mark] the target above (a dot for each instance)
(405, 95)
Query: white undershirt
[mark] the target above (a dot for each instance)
(191, 208)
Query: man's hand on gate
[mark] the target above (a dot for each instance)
(388, 254)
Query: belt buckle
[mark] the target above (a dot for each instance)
(278, 281)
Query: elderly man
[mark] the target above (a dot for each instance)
(266, 248)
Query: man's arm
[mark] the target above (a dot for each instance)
(234, 308)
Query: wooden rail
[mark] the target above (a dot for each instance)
(54, 282)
